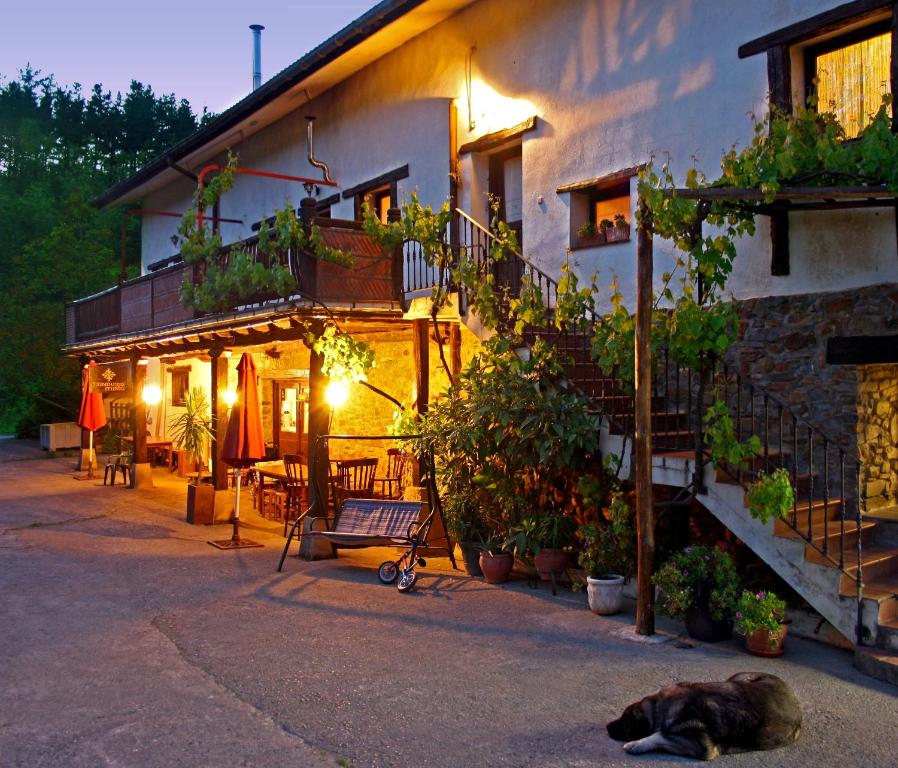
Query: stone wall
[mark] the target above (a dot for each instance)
(877, 433)
(782, 348)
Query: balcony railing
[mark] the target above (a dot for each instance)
(152, 301)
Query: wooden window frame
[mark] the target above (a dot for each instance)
(179, 393)
(391, 179)
(617, 184)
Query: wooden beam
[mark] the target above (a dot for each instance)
(454, 349)
(815, 26)
(642, 444)
(498, 138)
(872, 192)
(779, 78)
(862, 350)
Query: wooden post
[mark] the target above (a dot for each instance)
(454, 349)
(421, 337)
(306, 266)
(314, 547)
(397, 263)
(141, 472)
(219, 418)
(642, 444)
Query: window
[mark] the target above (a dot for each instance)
(180, 385)
(600, 209)
(381, 193)
(852, 73)
(378, 199)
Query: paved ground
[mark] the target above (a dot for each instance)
(127, 641)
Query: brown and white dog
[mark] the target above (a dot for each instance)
(750, 711)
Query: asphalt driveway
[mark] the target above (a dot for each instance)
(126, 640)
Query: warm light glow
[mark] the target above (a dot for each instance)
(152, 394)
(230, 397)
(491, 111)
(337, 393)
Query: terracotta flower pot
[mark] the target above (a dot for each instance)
(496, 568)
(470, 555)
(605, 595)
(550, 561)
(766, 642)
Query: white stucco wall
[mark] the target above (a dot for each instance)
(611, 83)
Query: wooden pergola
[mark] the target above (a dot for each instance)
(792, 199)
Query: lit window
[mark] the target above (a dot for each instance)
(180, 385)
(853, 74)
(600, 209)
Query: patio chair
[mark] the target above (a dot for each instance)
(296, 493)
(120, 462)
(392, 484)
(354, 479)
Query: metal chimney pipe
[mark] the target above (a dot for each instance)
(257, 54)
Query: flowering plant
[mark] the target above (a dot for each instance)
(759, 610)
(608, 546)
(694, 570)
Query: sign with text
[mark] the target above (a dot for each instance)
(113, 379)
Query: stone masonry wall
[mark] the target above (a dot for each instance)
(782, 348)
(877, 433)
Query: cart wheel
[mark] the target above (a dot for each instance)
(407, 581)
(387, 572)
(422, 562)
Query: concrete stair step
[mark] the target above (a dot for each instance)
(820, 510)
(878, 662)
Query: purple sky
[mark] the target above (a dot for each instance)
(201, 51)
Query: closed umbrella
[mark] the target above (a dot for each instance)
(244, 443)
(91, 416)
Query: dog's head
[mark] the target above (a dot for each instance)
(631, 725)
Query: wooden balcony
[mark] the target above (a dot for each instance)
(151, 302)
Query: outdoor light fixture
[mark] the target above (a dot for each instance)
(152, 394)
(337, 393)
(230, 397)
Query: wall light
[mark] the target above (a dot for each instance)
(336, 393)
(152, 394)
(230, 397)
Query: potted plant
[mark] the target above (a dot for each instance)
(760, 617)
(588, 235)
(618, 230)
(700, 586)
(496, 561)
(553, 534)
(771, 495)
(191, 431)
(605, 227)
(607, 555)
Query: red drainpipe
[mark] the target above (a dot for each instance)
(201, 180)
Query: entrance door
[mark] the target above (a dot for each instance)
(506, 186)
(291, 414)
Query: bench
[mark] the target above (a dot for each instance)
(371, 523)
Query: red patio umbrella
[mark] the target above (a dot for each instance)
(244, 443)
(91, 416)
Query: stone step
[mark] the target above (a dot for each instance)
(819, 511)
(813, 553)
(877, 662)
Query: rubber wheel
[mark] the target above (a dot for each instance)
(387, 572)
(407, 581)
(421, 562)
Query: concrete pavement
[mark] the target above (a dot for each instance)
(126, 640)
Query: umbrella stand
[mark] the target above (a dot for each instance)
(90, 461)
(235, 542)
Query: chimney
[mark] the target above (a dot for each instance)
(257, 54)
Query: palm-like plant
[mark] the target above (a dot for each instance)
(192, 429)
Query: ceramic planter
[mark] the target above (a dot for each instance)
(700, 624)
(591, 241)
(550, 561)
(605, 595)
(766, 642)
(496, 568)
(617, 234)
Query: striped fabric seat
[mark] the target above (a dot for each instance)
(373, 522)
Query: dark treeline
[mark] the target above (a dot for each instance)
(59, 148)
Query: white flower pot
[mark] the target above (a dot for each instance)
(605, 595)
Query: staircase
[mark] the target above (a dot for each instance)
(841, 561)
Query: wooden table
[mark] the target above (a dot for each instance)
(274, 470)
(154, 444)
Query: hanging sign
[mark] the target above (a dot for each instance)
(111, 379)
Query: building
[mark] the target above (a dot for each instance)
(552, 107)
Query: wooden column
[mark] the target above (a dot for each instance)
(421, 340)
(397, 263)
(141, 472)
(455, 349)
(779, 77)
(893, 74)
(306, 266)
(314, 547)
(219, 418)
(642, 444)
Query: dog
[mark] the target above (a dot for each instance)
(750, 711)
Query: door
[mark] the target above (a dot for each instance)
(506, 186)
(291, 414)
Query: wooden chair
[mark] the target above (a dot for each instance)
(296, 494)
(354, 479)
(392, 484)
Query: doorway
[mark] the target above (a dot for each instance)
(291, 417)
(507, 186)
